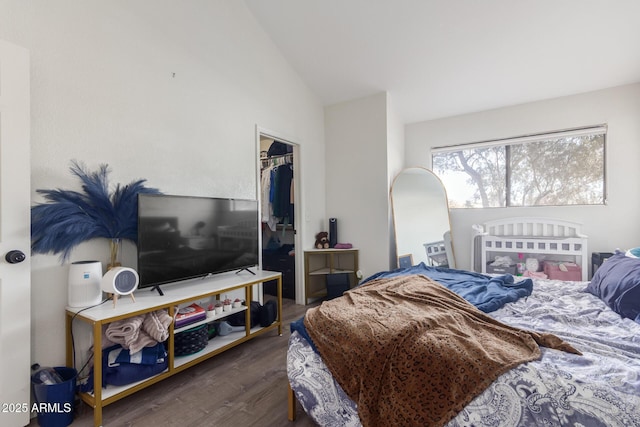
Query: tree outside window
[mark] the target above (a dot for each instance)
(559, 169)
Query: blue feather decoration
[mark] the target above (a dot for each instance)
(70, 217)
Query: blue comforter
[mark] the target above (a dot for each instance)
(487, 293)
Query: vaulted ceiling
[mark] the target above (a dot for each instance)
(439, 58)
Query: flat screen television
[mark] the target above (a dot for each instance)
(185, 237)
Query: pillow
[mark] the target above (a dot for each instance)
(617, 283)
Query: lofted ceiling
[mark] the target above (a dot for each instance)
(440, 58)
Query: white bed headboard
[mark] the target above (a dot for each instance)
(533, 227)
(544, 237)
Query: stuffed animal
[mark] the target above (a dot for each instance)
(322, 240)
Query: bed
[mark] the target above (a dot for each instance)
(599, 387)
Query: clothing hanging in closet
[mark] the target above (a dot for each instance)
(277, 191)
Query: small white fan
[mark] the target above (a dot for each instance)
(120, 281)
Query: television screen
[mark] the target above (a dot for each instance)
(183, 237)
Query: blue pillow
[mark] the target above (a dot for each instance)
(617, 283)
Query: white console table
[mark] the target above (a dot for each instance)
(148, 301)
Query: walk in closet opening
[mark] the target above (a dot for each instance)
(277, 213)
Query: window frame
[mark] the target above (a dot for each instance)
(507, 143)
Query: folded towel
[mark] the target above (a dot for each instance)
(129, 334)
(125, 329)
(343, 246)
(156, 324)
(106, 342)
(138, 332)
(143, 340)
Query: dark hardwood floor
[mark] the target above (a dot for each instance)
(244, 386)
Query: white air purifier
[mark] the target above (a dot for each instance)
(84, 283)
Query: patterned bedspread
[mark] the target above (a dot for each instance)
(599, 388)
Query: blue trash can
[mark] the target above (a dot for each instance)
(55, 402)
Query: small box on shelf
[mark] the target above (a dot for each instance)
(210, 318)
(189, 314)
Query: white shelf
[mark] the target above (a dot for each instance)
(209, 319)
(174, 294)
(331, 250)
(113, 390)
(214, 344)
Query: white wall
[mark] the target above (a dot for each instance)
(611, 226)
(357, 180)
(395, 163)
(158, 89)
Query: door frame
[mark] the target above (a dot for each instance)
(298, 228)
(15, 279)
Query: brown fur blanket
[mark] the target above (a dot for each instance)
(410, 352)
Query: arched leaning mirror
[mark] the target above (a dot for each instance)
(421, 219)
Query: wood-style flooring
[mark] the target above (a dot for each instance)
(244, 386)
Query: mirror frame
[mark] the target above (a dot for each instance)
(406, 260)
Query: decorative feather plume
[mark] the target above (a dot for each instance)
(70, 217)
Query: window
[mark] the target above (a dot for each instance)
(553, 169)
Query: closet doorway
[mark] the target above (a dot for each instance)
(278, 213)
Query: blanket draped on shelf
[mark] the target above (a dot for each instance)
(410, 352)
(145, 330)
